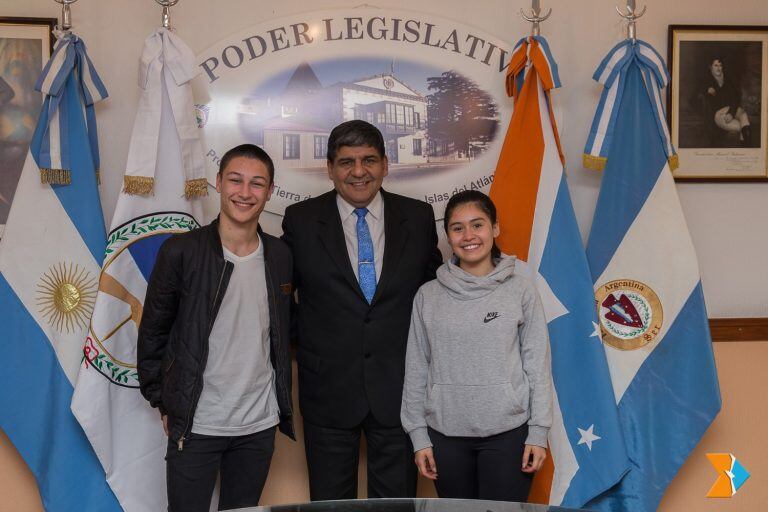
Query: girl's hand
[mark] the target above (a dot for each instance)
(425, 461)
(533, 458)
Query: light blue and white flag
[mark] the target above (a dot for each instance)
(538, 225)
(647, 286)
(49, 268)
(125, 431)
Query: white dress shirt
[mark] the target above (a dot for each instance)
(375, 220)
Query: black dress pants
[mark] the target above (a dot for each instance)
(333, 455)
(486, 468)
(243, 462)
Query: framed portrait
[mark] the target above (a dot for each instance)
(718, 102)
(25, 46)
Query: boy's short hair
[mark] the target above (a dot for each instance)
(249, 151)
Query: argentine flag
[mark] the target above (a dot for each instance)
(49, 269)
(646, 280)
(538, 225)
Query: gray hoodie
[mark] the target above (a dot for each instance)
(477, 362)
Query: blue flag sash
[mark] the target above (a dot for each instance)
(612, 74)
(51, 144)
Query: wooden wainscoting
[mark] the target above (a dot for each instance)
(739, 329)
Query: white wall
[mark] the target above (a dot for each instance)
(728, 221)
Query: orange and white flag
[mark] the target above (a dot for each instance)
(587, 453)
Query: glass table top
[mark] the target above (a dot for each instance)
(410, 505)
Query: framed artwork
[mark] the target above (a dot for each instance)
(25, 46)
(718, 102)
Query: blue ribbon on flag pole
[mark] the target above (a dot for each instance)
(50, 144)
(611, 73)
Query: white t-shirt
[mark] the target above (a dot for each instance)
(238, 395)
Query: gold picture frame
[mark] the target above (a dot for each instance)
(718, 102)
(26, 45)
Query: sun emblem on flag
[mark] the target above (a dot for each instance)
(66, 294)
(630, 314)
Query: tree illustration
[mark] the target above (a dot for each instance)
(460, 115)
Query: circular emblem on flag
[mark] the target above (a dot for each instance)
(201, 114)
(130, 256)
(630, 314)
(65, 295)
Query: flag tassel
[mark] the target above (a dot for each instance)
(55, 176)
(674, 162)
(596, 163)
(138, 185)
(196, 188)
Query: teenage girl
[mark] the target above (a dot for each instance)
(477, 400)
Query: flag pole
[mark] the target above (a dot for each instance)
(631, 16)
(167, 4)
(66, 14)
(535, 17)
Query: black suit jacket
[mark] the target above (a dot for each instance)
(351, 355)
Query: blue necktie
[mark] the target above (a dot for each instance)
(366, 268)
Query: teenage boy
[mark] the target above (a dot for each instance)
(213, 343)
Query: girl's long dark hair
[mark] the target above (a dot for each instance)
(480, 200)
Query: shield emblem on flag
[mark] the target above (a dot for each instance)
(630, 314)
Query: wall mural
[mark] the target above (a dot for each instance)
(285, 84)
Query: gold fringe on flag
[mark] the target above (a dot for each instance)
(596, 163)
(674, 162)
(138, 185)
(55, 176)
(196, 188)
(98, 177)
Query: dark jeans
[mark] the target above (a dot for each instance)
(243, 462)
(333, 456)
(486, 468)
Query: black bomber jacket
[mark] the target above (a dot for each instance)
(185, 291)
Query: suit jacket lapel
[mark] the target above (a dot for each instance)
(332, 239)
(395, 238)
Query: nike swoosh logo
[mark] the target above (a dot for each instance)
(490, 317)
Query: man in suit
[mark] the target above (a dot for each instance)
(360, 254)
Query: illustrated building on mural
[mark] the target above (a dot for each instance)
(294, 126)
